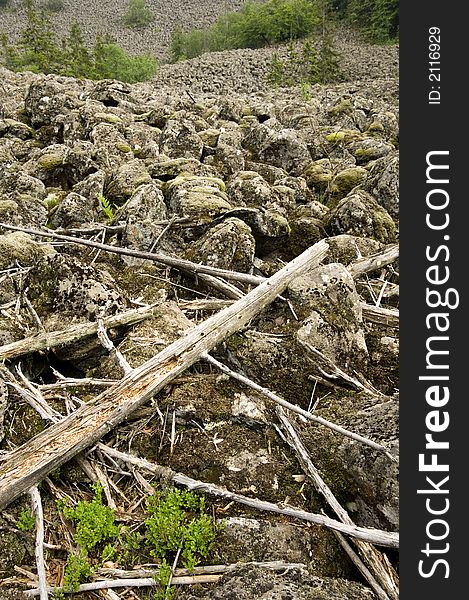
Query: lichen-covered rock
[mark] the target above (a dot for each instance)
(269, 142)
(91, 186)
(15, 129)
(229, 245)
(260, 540)
(125, 181)
(143, 140)
(142, 216)
(383, 183)
(48, 99)
(333, 323)
(306, 228)
(75, 210)
(363, 479)
(346, 248)
(197, 197)
(359, 214)
(63, 288)
(111, 148)
(345, 180)
(19, 246)
(227, 159)
(165, 168)
(180, 139)
(250, 189)
(247, 582)
(59, 165)
(369, 149)
(318, 174)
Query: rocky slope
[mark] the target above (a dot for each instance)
(238, 177)
(107, 16)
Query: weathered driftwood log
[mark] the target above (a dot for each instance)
(380, 316)
(373, 262)
(32, 461)
(53, 339)
(356, 268)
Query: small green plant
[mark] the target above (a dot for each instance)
(106, 206)
(26, 521)
(165, 592)
(77, 569)
(177, 520)
(94, 521)
(94, 524)
(129, 543)
(138, 14)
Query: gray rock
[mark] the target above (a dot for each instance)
(346, 248)
(180, 139)
(333, 323)
(383, 183)
(125, 180)
(145, 208)
(19, 246)
(359, 214)
(197, 197)
(269, 142)
(229, 245)
(364, 480)
(248, 582)
(74, 211)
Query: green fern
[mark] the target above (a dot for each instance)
(108, 210)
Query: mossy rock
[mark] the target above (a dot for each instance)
(108, 118)
(195, 180)
(50, 161)
(317, 175)
(359, 214)
(346, 180)
(344, 106)
(209, 137)
(19, 246)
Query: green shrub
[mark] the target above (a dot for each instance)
(77, 570)
(254, 26)
(307, 64)
(39, 51)
(112, 62)
(178, 520)
(138, 14)
(4, 3)
(379, 19)
(26, 521)
(94, 521)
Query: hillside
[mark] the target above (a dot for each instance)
(205, 185)
(107, 16)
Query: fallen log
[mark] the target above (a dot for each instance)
(52, 339)
(31, 462)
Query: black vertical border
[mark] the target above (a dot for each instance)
(424, 128)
